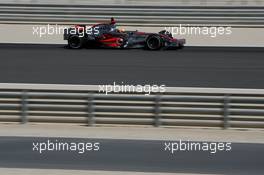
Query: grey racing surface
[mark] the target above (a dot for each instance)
(220, 67)
(131, 155)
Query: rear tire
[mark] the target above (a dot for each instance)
(181, 46)
(75, 42)
(153, 42)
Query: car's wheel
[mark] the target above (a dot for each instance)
(181, 46)
(153, 42)
(75, 42)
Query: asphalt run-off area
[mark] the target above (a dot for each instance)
(220, 67)
(131, 155)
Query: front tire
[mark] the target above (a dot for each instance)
(75, 42)
(153, 42)
(181, 46)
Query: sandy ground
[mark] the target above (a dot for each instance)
(246, 37)
(132, 132)
(17, 171)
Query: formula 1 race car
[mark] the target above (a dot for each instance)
(107, 35)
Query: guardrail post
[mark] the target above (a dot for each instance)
(90, 119)
(24, 107)
(157, 111)
(226, 111)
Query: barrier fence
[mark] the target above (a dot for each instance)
(200, 107)
(133, 15)
(145, 2)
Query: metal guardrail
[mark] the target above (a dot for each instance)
(145, 2)
(127, 15)
(201, 107)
